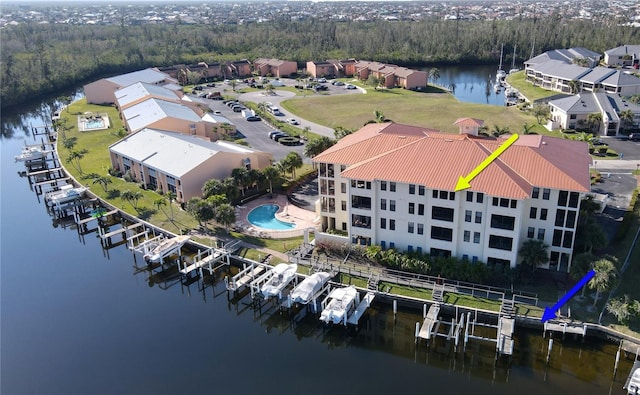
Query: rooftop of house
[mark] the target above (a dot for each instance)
(416, 155)
(150, 76)
(139, 90)
(152, 110)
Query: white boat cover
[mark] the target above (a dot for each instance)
(281, 276)
(309, 287)
(341, 300)
(165, 248)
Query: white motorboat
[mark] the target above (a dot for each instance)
(280, 276)
(66, 193)
(309, 287)
(30, 153)
(165, 248)
(338, 305)
(500, 74)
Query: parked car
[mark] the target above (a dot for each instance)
(338, 83)
(254, 118)
(237, 108)
(293, 121)
(217, 112)
(634, 137)
(273, 132)
(197, 88)
(322, 80)
(350, 86)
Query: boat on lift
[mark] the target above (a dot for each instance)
(304, 292)
(165, 248)
(338, 305)
(281, 275)
(31, 153)
(66, 194)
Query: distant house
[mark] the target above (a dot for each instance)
(391, 75)
(274, 67)
(103, 90)
(624, 55)
(469, 126)
(236, 69)
(179, 163)
(573, 112)
(205, 70)
(140, 91)
(568, 56)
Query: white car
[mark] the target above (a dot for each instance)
(293, 121)
(349, 86)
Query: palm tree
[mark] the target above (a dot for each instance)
(373, 253)
(293, 161)
(339, 132)
(317, 146)
(162, 201)
(270, 174)
(378, 118)
(580, 62)
(241, 177)
(225, 215)
(595, 121)
(626, 117)
(605, 277)
(526, 128)
(575, 86)
(499, 130)
(131, 197)
(75, 157)
(434, 74)
(69, 142)
(104, 181)
(171, 196)
(580, 265)
(212, 187)
(533, 253)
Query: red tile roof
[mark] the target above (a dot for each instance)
(415, 155)
(472, 122)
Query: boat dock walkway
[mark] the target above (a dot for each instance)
(564, 327)
(504, 344)
(214, 255)
(92, 218)
(361, 309)
(244, 277)
(107, 236)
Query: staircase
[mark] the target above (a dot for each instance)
(372, 283)
(507, 308)
(438, 294)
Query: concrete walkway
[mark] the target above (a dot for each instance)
(616, 165)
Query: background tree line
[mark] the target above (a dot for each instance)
(42, 59)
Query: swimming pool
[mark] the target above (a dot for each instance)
(265, 217)
(90, 124)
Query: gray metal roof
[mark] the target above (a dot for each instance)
(620, 78)
(564, 55)
(562, 70)
(139, 90)
(583, 103)
(596, 75)
(149, 76)
(172, 153)
(623, 50)
(152, 110)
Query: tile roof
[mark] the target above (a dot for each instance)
(473, 122)
(415, 155)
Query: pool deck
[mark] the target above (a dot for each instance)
(288, 213)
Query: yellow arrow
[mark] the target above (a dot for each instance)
(464, 182)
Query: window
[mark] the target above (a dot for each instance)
(409, 249)
(392, 245)
(476, 237)
(392, 205)
(412, 189)
(504, 202)
(383, 223)
(557, 238)
(469, 196)
(514, 203)
(439, 233)
(495, 201)
(383, 185)
(344, 226)
(500, 242)
(439, 252)
(452, 196)
(361, 221)
(343, 187)
(568, 238)
(478, 217)
(560, 217)
(412, 208)
(479, 197)
(465, 257)
(410, 227)
(491, 261)
(421, 190)
(545, 193)
(543, 214)
(540, 233)
(434, 194)
(342, 168)
(442, 213)
(344, 205)
(419, 250)
(571, 220)
(536, 193)
(444, 195)
(503, 222)
(392, 224)
(573, 199)
(573, 116)
(563, 197)
(383, 204)
(420, 229)
(467, 215)
(361, 202)
(533, 213)
(420, 209)
(392, 186)
(467, 236)
(531, 232)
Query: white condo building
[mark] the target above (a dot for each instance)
(393, 185)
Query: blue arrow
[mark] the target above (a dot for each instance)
(550, 312)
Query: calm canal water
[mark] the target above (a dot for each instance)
(76, 319)
(472, 84)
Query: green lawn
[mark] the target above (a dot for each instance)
(518, 81)
(432, 110)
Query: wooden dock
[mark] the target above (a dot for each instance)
(362, 307)
(106, 236)
(427, 329)
(505, 335)
(208, 261)
(244, 277)
(565, 327)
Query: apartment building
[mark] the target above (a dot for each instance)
(274, 67)
(394, 185)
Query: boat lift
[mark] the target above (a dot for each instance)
(244, 277)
